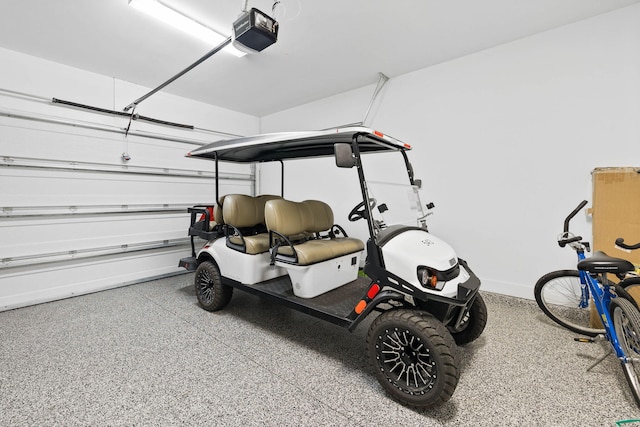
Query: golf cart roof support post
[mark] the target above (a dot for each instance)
(215, 157)
(408, 165)
(281, 178)
(180, 74)
(363, 185)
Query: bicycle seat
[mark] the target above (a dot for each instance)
(600, 262)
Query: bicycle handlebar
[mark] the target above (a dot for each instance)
(572, 214)
(564, 242)
(620, 242)
(566, 237)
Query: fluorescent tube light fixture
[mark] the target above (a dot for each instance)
(177, 20)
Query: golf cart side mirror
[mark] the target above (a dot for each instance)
(417, 183)
(344, 156)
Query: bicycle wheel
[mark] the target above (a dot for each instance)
(558, 295)
(626, 322)
(632, 286)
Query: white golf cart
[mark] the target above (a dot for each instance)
(426, 299)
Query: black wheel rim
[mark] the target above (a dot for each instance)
(406, 361)
(205, 288)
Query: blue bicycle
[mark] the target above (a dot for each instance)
(586, 302)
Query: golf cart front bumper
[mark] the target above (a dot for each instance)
(468, 289)
(455, 310)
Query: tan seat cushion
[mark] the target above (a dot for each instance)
(321, 216)
(242, 211)
(314, 251)
(255, 244)
(347, 245)
(286, 217)
(218, 213)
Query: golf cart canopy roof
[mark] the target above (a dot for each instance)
(295, 145)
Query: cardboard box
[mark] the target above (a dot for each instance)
(616, 210)
(615, 213)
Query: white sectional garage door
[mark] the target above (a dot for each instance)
(75, 217)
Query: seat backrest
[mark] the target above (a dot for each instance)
(286, 217)
(240, 210)
(261, 201)
(218, 214)
(321, 216)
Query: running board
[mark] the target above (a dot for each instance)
(188, 263)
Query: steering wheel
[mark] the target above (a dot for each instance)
(358, 212)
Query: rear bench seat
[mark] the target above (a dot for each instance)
(244, 217)
(318, 264)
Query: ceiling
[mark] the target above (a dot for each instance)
(324, 47)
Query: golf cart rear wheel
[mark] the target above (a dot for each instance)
(473, 322)
(212, 294)
(413, 356)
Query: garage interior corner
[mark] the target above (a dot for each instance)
(144, 355)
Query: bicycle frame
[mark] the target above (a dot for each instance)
(602, 296)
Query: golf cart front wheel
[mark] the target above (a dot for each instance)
(413, 356)
(212, 294)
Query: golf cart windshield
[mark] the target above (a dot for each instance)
(395, 204)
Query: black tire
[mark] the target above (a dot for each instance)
(413, 356)
(473, 323)
(626, 322)
(212, 294)
(558, 295)
(632, 288)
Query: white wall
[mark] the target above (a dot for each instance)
(504, 140)
(75, 217)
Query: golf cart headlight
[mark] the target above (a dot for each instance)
(427, 278)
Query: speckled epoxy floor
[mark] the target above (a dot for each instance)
(146, 354)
